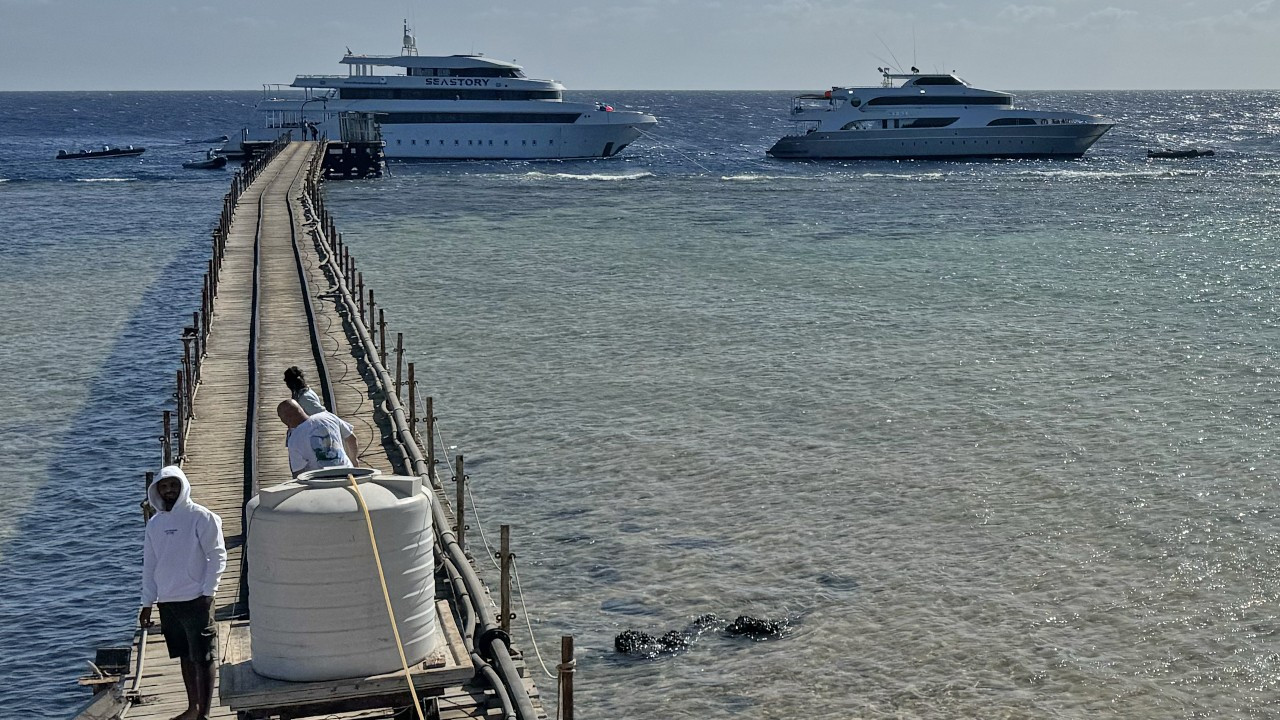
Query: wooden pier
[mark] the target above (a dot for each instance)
(280, 291)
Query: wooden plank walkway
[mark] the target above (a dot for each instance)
(216, 440)
(215, 443)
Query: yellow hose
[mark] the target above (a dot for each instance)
(386, 595)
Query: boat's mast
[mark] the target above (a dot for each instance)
(410, 45)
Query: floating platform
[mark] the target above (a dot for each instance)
(253, 696)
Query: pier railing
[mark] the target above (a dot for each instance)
(195, 337)
(487, 638)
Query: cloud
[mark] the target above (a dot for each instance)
(1026, 13)
(1105, 16)
(1255, 16)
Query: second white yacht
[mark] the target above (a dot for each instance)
(930, 116)
(454, 107)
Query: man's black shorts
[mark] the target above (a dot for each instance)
(188, 629)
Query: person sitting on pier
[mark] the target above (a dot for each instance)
(183, 557)
(298, 389)
(322, 440)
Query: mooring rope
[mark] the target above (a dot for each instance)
(520, 592)
(675, 149)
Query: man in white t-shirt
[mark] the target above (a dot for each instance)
(316, 441)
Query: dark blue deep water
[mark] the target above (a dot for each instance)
(998, 437)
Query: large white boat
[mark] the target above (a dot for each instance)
(930, 116)
(455, 107)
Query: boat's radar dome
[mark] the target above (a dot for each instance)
(314, 593)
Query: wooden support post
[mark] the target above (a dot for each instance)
(566, 677)
(504, 563)
(431, 438)
(206, 309)
(182, 415)
(382, 338)
(459, 509)
(413, 405)
(372, 321)
(360, 285)
(166, 440)
(147, 510)
(399, 362)
(197, 339)
(188, 369)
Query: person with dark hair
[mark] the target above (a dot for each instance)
(316, 441)
(183, 558)
(306, 397)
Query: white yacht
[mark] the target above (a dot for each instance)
(930, 116)
(455, 107)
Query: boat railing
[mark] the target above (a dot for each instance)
(804, 127)
(808, 104)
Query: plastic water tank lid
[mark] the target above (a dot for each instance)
(269, 498)
(336, 476)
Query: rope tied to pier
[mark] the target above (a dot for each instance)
(386, 595)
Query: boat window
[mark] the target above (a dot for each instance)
(860, 125)
(465, 72)
(940, 100)
(1012, 121)
(929, 122)
(446, 94)
(407, 118)
(937, 80)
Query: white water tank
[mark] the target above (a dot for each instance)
(316, 606)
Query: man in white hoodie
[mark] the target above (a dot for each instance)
(183, 556)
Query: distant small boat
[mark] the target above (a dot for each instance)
(106, 152)
(213, 162)
(209, 141)
(1187, 153)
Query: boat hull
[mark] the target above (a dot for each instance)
(532, 141)
(1038, 141)
(101, 154)
(595, 133)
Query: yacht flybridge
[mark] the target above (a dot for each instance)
(455, 107)
(925, 116)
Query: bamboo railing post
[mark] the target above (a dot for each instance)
(413, 405)
(566, 677)
(147, 510)
(431, 438)
(166, 440)
(360, 293)
(189, 369)
(382, 337)
(182, 415)
(504, 563)
(399, 362)
(197, 341)
(459, 509)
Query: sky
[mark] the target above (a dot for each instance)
(651, 44)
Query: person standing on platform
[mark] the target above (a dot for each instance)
(298, 389)
(317, 441)
(183, 557)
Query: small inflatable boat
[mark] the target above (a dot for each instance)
(1177, 154)
(106, 152)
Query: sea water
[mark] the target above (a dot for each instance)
(995, 438)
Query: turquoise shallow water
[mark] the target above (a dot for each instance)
(997, 438)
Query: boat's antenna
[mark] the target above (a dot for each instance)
(882, 61)
(896, 65)
(913, 44)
